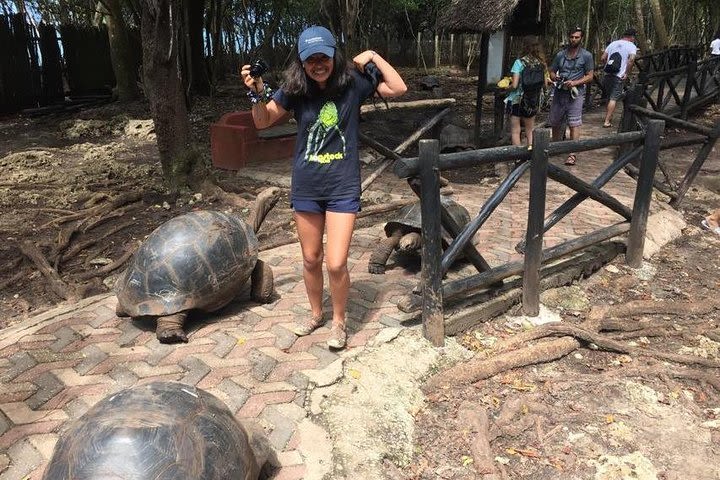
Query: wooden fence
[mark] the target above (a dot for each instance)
(427, 166)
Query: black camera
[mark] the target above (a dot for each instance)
(258, 68)
(559, 80)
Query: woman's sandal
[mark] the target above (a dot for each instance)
(338, 337)
(571, 159)
(308, 325)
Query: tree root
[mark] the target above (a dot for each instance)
(478, 369)
(78, 247)
(57, 285)
(483, 459)
(110, 267)
(652, 307)
(212, 191)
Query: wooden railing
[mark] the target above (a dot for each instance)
(431, 293)
(635, 117)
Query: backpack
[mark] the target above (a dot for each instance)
(532, 80)
(614, 62)
(532, 77)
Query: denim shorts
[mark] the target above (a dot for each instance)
(613, 86)
(336, 205)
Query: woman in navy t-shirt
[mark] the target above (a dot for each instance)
(325, 94)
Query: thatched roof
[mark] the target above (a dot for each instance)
(477, 15)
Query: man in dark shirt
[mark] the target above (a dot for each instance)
(571, 69)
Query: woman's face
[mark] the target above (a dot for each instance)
(318, 67)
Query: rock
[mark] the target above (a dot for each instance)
(662, 228)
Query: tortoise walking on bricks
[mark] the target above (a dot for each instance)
(403, 233)
(199, 260)
(158, 431)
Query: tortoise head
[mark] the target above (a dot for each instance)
(264, 202)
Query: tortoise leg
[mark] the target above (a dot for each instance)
(410, 242)
(170, 328)
(119, 311)
(379, 257)
(261, 283)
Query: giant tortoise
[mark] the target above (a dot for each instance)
(403, 233)
(198, 260)
(158, 431)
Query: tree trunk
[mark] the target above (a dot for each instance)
(195, 56)
(164, 90)
(121, 54)
(640, 22)
(659, 23)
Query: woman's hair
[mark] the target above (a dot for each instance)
(532, 46)
(297, 82)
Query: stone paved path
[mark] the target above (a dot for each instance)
(55, 366)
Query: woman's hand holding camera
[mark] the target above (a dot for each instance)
(361, 59)
(255, 84)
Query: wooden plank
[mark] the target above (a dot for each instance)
(569, 180)
(677, 122)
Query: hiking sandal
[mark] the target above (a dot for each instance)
(338, 337)
(307, 326)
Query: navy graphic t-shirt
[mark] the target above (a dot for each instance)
(326, 164)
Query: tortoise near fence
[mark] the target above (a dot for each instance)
(160, 430)
(197, 261)
(404, 233)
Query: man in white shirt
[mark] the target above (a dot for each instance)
(618, 58)
(715, 45)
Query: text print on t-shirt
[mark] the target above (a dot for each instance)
(325, 136)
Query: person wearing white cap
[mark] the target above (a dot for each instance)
(324, 92)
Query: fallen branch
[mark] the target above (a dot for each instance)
(57, 285)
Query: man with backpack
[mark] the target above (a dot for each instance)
(571, 69)
(618, 58)
(528, 80)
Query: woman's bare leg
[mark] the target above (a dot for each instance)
(310, 228)
(515, 130)
(529, 124)
(339, 233)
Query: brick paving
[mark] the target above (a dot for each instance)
(55, 366)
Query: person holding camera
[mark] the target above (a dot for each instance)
(618, 59)
(571, 69)
(325, 93)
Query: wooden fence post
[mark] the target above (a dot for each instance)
(689, 83)
(627, 122)
(536, 218)
(431, 276)
(643, 193)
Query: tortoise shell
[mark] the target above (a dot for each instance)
(198, 260)
(429, 82)
(409, 218)
(158, 431)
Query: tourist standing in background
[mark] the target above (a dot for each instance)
(618, 58)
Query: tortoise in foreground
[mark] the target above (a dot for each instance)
(198, 260)
(158, 431)
(403, 233)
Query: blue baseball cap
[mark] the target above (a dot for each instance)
(316, 40)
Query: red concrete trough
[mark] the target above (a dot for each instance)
(235, 142)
